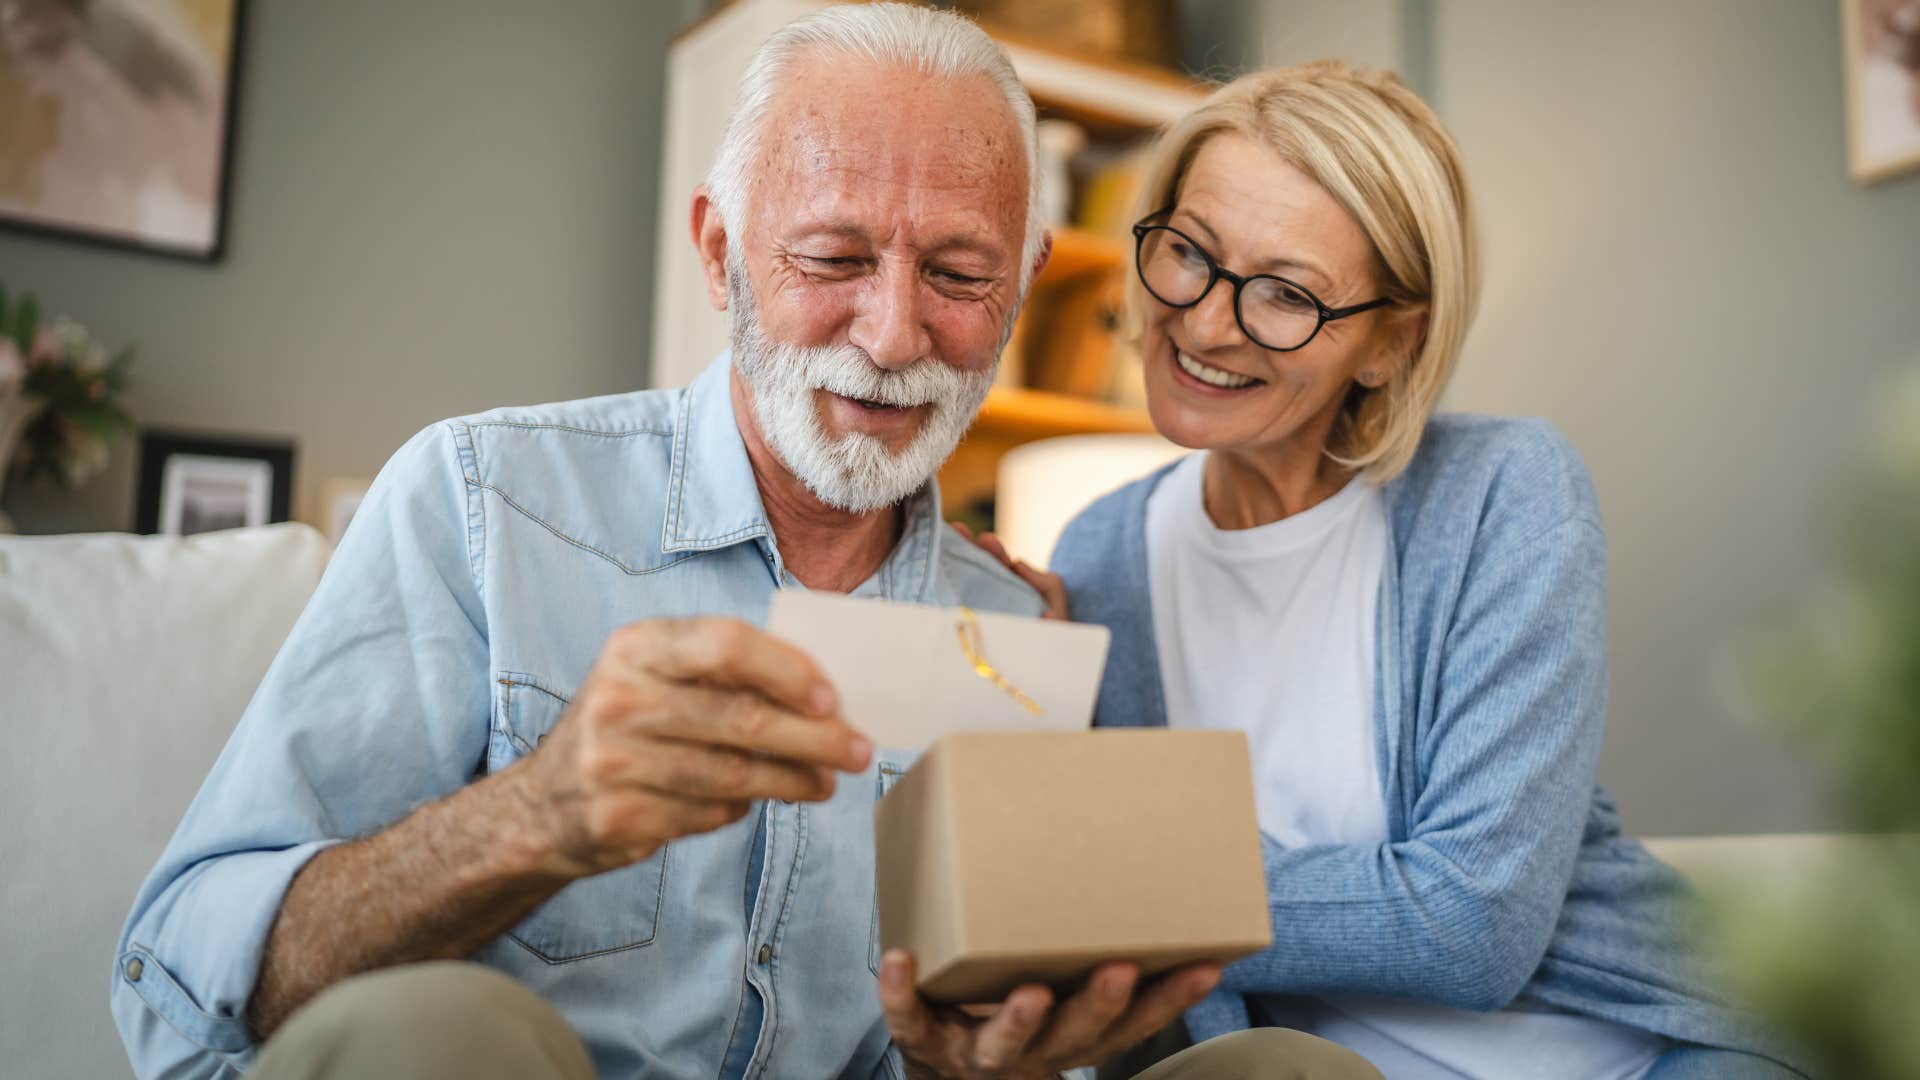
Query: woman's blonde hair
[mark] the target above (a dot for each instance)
(1379, 150)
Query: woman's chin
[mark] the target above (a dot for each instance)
(1195, 423)
(1182, 425)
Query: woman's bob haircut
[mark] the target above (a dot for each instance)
(1379, 150)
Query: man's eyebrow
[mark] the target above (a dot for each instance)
(1265, 266)
(967, 242)
(843, 229)
(955, 242)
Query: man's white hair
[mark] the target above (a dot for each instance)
(937, 43)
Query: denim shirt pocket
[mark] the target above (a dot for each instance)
(888, 773)
(596, 916)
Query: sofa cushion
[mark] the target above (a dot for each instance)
(127, 661)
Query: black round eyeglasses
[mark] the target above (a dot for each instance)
(1273, 312)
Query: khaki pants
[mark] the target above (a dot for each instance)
(452, 1020)
(1254, 1054)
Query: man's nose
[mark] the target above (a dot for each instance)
(890, 325)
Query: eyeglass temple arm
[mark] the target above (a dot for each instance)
(1331, 314)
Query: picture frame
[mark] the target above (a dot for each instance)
(193, 482)
(1881, 43)
(121, 122)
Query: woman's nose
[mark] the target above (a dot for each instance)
(1211, 322)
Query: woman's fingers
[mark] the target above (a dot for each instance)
(1049, 586)
(986, 542)
(1052, 590)
(991, 544)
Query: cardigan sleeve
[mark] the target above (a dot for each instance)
(1504, 758)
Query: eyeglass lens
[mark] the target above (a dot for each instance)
(1274, 312)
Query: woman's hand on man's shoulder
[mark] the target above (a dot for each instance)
(1051, 589)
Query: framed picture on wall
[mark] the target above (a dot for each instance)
(1882, 43)
(116, 120)
(194, 483)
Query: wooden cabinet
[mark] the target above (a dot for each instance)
(1070, 308)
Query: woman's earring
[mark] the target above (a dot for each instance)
(1370, 379)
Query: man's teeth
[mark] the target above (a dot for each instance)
(1212, 376)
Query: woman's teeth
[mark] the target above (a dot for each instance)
(1212, 376)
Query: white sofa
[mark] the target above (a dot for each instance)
(126, 661)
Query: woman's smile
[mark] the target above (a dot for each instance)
(1200, 375)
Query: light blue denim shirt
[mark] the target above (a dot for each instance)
(480, 579)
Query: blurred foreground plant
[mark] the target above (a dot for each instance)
(1836, 963)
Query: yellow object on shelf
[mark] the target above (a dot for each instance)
(1077, 253)
(1037, 414)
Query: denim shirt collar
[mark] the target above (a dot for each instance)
(714, 502)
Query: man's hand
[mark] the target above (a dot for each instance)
(679, 727)
(1026, 1037)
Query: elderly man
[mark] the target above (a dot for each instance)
(527, 721)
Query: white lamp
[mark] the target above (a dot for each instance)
(1043, 484)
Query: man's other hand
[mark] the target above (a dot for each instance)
(1028, 1036)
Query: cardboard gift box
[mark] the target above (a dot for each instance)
(1013, 857)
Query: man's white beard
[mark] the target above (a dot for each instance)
(854, 472)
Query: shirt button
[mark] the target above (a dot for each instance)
(134, 968)
(766, 954)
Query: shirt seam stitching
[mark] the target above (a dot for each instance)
(632, 571)
(575, 429)
(467, 457)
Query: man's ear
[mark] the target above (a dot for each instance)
(710, 243)
(1046, 253)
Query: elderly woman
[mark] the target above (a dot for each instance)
(1404, 612)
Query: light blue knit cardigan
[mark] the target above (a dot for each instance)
(1505, 874)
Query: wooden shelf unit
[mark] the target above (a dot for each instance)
(1015, 415)
(1078, 253)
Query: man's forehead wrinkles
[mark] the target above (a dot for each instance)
(881, 159)
(813, 133)
(903, 176)
(866, 176)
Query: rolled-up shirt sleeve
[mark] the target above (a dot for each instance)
(376, 703)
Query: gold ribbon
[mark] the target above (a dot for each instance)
(969, 630)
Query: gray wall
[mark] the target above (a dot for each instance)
(439, 206)
(1684, 278)
(1681, 276)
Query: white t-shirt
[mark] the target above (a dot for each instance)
(1270, 631)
